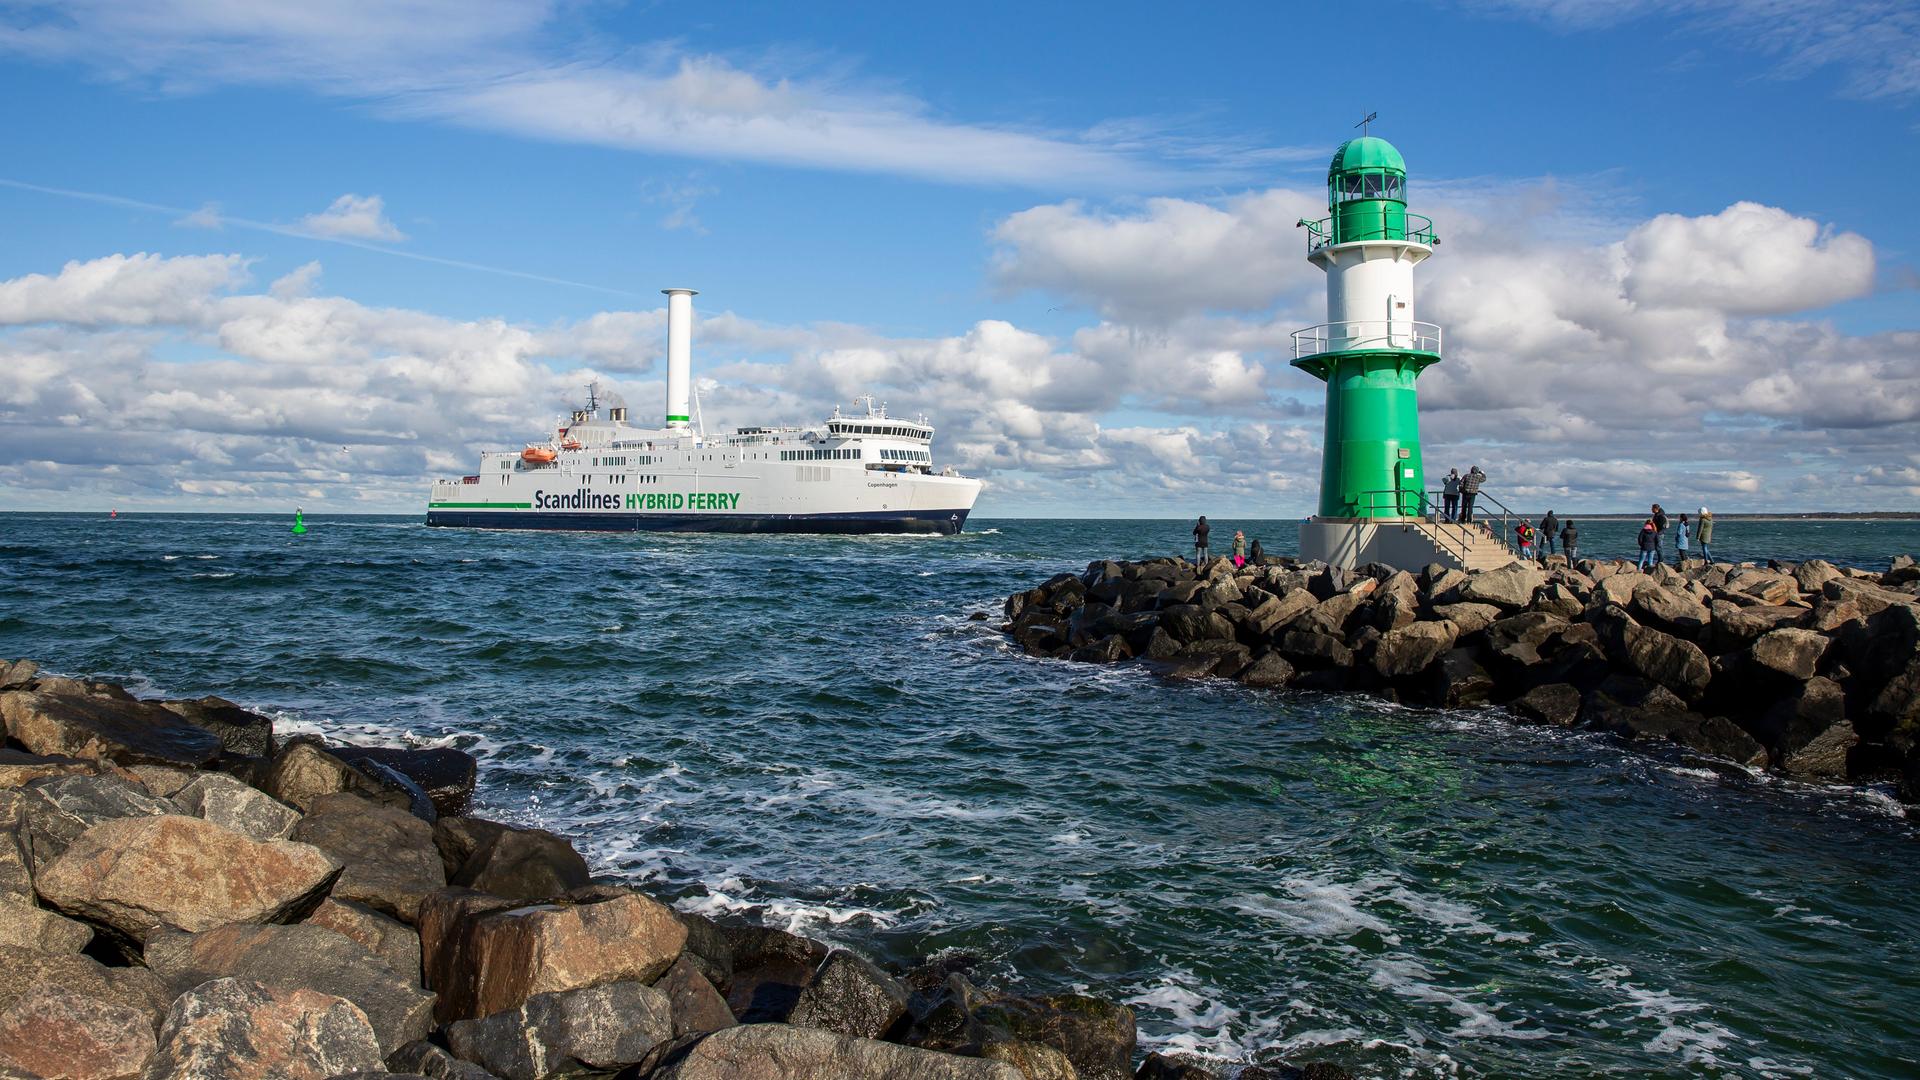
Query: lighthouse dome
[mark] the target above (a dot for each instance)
(1366, 154)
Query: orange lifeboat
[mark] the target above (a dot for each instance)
(570, 444)
(538, 455)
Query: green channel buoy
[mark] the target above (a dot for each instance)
(299, 523)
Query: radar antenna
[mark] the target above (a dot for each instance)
(1364, 121)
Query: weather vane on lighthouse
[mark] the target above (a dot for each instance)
(1364, 121)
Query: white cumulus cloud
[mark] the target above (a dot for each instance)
(358, 217)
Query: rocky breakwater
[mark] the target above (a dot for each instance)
(1810, 669)
(186, 896)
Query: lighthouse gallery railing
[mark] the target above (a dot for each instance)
(1382, 334)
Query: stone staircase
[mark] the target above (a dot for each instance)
(1465, 547)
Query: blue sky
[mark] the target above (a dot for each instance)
(1064, 232)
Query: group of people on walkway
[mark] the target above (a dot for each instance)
(1537, 542)
(1685, 532)
(1242, 554)
(1458, 492)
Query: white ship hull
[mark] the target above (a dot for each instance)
(868, 473)
(712, 496)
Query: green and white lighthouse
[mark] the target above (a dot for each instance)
(1368, 352)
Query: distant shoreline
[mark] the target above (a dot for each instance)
(1820, 515)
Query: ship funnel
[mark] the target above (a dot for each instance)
(679, 356)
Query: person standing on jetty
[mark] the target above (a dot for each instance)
(1200, 531)
(1569, 541)
(1549, 529)
(1255, 555)
(1680, 543)
(1469, 487)
(1649, 545)
(1450, 495)
(1523, 532)
(1239, 549)
(1659, 520)
(1704, 530)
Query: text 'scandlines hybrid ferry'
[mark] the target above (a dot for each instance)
(863, 473)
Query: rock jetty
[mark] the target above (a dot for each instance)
(184, 895)
(1812, 670)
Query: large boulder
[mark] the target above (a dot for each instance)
(17, 673)
(1651, 654)
(392, 941)
(137, 874)
(1670, 610)
(245, 809)
(17, 767)
(1097, 1036)
(1270, 671)
(697, 1007)
(707, 948)
(1556, 704)
(1521, 640)
(1457, 681)
(782, 1052)
(424, 1059)
(26, 926)
(57, 1034)
(299, 957)
(303, 772)
(524, 864)
(389, 858)
(247, 734)
(1411, 647)
(770, 968)
(1735, 627)
(231, 1029)
(1795, 654)
(1808, 730)
(600, 1028)
(16, 868)
(132, 987)
(58, 809)
(445, 774)
(850, 996)
(1190, 622)
(1809, 576)
(1468, 618)
(482, 958)
(104, 729)
(1510, 587)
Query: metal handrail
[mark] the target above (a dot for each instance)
(1426, 510)
(1384, 334)
(1417, 228)
(1430, 507)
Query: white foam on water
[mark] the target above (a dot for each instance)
(226, 574)
(1694, 774)
(1695, 1042)
(1410, 979)
(613, 628)
(1072, 838)
(1769, 1068)
(1322, 908)
(1451, 915)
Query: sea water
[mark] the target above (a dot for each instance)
(815, 732)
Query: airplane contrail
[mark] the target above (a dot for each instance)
(304, 234)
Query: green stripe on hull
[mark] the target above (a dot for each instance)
(480, 506)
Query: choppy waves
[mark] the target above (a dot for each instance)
(812, 731)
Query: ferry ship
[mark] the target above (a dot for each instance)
(866, 472)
